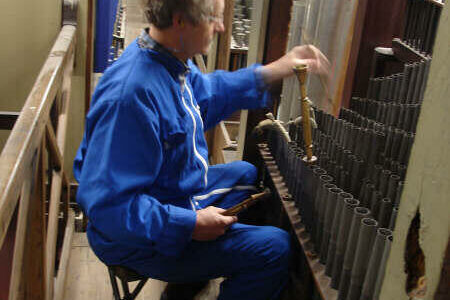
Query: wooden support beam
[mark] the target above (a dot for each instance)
(34, 278)
(223, 57)
(65, 255)
(59, 178)
(55, 154)
(16, 288)
(89, 53)
(200, 62)
(343, 91)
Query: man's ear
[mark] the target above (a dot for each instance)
(178, 21)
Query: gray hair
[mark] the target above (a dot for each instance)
(160, 12)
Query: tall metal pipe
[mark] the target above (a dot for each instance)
(342, 238)
(310, 203)
(405, 83)
(384, 214)
(382, 270)
(393, 218)
(412, 83)
(330, 207)
(392, 186)
(321, 214)
(366, 238)
(425, 79)
(323, 179)
(375, 202)
(384, 178)
(376, 172)
(419, 81)
(374, 266)
(358, 214)
(389, 139)
(416, 114)
(335, 224)
(398, 193)
(357, 171)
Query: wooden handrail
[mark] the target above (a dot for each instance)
(33, 158)
(27, 132)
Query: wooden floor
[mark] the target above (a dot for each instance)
(88, 278)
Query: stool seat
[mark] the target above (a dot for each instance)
(125, 276)
(125, 273)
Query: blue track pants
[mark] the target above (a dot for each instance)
(253, 259)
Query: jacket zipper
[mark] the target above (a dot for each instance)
(197, 154)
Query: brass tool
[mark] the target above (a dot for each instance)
(247, 203)
(300, 71)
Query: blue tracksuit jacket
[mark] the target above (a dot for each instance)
(144, 157)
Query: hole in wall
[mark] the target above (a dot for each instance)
(415, 261)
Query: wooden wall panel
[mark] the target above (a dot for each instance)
(384, 20)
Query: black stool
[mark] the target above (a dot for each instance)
(125, 276)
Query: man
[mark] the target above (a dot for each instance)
(153, 202)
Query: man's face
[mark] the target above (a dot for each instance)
(201, 35)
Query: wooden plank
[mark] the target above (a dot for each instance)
(88, 277)
(218, 144)
(58, 177)
(352, 59)
(351, 46)
(65, 256)
(55, 154)
(89, 53)
(8, 119)
(322, 282)
(228, 144)
(29, 128)
(223, 57)
(16, 285)
(200, 62)
(34, 254)
(212, 55)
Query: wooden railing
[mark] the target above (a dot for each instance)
(34, 187)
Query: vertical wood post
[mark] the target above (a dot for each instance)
(223, 57)
(34, 260)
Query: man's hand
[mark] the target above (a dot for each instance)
(283, 67)
(211, 224)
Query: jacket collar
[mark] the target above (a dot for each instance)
(158, 51)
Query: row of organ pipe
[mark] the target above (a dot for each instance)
(349, 198)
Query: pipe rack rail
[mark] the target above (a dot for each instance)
(322, 282)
